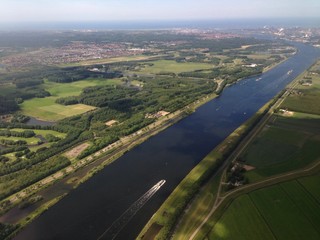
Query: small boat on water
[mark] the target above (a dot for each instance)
(159, 184)
(289, 72)
(258, 79)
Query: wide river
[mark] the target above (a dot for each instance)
(93, 208)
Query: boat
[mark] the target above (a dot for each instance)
(289, 72)
(160, 183)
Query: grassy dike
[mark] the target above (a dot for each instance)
(161, 225)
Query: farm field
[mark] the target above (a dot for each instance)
(290, 140)
(173, 66)
(305, 98)
(46, 108)
(241, 221)
(286, 146)
(284, 211)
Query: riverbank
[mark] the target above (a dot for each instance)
(163, 221)
(97, 161)
(89, 166)
(224, 198)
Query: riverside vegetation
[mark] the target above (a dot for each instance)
(281, 166)
(101, 101)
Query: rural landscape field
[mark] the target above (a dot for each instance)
(156, 120)
(277, 169)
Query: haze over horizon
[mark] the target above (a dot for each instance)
(13, 11)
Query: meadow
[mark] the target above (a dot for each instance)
(283, 211)
(46, 108)
(306, 98)
(289, 141)
(173, 67)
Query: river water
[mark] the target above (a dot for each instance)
(89, 211)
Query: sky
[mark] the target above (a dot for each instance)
(124, 10)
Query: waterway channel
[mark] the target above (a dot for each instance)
(91, 209)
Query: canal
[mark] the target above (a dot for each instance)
(91, 210)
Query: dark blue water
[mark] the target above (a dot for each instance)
(91, 209)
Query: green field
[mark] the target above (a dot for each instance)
(279, 150)
(241, 221)
(284, 211)
(30, 141)
(311, 184)
(46, 108)
(173, 66)
(288, 142)
(33, 140)
(198, 210)
(39, 132)
(307, 100)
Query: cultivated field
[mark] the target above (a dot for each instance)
(285, 211)
(291, 138)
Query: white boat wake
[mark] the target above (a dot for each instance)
(120, 223)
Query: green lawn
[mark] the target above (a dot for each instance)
(46, 108)
(75, 88)
(241, 221)
(173, 66)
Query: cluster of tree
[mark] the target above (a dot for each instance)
(18, 180)
(230, 74)
(6, 230)
(33, 158)
(117, 97)
(28, 93)
(8, 105)
(4, 151)
(4, 159)
(7, 142)
(23, 83)
(32, 200)
(22, 134)
(73, 74)
(235, 175)
(51, 138)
